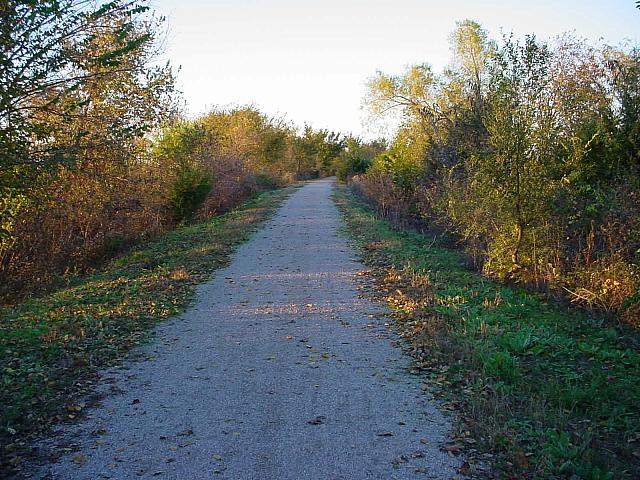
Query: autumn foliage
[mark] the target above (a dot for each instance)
(94, 152)
(528, 154)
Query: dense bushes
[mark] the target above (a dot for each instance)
(75, 185)
(191, 169)
(356, 158)
(189, 191)
(241, 151)
(529, 154)
(93, 154)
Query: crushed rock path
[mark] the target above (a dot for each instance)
(280, 370)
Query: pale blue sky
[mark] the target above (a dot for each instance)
(309, 59)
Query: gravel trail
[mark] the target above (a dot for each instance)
(280, 370)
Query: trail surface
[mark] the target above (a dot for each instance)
(279, 371)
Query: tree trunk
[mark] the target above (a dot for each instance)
(516, 251)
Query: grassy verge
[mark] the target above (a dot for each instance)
(542, 392)
(51, 346)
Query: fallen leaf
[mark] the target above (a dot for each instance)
(317, 420)
(465, 469)
(521, 459)
(455, 448)
(79, 459)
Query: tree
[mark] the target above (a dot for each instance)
(77, 87)
(356, 157)
(44, 56)
(472, 54)
(319, 149)
(103, 118)
(521, 127)
(415, 94)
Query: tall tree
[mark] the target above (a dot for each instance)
(76, 78)
(415, 94)
(521, 128)
(472, 53)
(43, 57)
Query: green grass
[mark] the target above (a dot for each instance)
(50, 346)
(542, 391)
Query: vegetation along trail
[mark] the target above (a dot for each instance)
(279, 370)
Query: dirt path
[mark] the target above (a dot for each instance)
(279, 371)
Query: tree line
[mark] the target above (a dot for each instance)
(526, 152)
(96, 152)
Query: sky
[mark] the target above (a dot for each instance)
(309, 60)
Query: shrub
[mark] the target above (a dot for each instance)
(189, 191)
(525, 151)
(263, 181)
(356, 158)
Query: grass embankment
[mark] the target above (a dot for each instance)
(542, 391)
(51, 346)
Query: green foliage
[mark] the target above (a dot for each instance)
(12, 202)
(181, 142)
(509, 180)
(472, 53)
(319, 150)
(404, 162)
(355, 159)
(264, 181)
(189, 191)
(49, 53)
(500, 365)
(262, 144)
(414, 95)
(125, 183)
